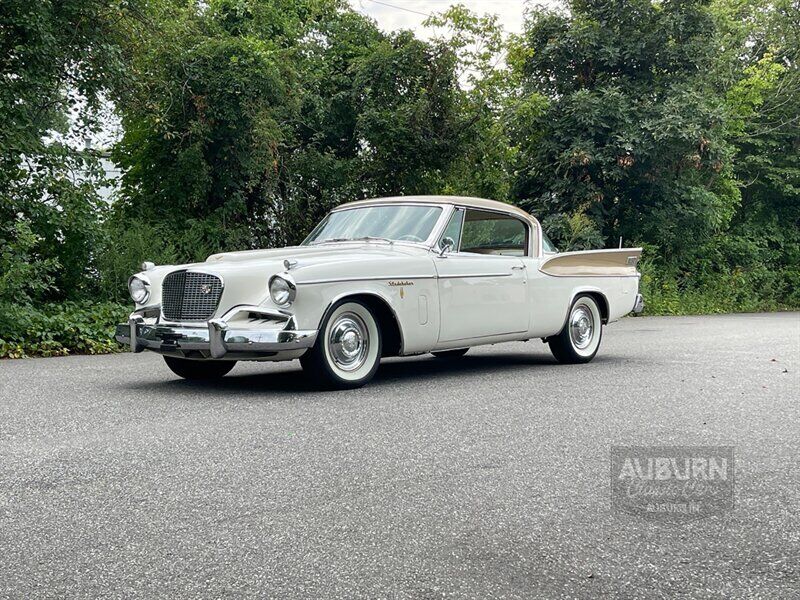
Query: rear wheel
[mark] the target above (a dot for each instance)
(580, 339)
(451, 354)
(347, 352)
(199, 369)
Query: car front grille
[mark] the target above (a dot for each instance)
(189, 296)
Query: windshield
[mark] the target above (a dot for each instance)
(394, 223)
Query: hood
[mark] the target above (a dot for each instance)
(246, 274)
(322, 253)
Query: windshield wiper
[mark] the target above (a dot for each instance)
(365, 238)
(330, 240)
(372, 238)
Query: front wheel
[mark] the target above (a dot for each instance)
(579, 341)
(347, 352)
(199, 369)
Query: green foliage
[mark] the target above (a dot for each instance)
(408, 123)
(571, 232)
(633, 136)
(59, 329)
(672, 124)
(58, 58)
(23, 275)
(127, 245)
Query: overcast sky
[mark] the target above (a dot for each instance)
(409, 14)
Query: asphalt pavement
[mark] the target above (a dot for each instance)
(486, 477)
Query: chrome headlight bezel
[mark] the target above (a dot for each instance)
(141, 293)
(282, 289)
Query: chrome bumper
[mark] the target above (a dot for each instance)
(216, 339)
(638, 305)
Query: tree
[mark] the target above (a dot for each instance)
(633, 136)
(56, 61)
(250, 119)
(762, 80)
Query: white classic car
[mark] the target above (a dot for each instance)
(384, 277)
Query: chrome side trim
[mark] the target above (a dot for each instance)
(587, 275)
(374, 278)
(473, 275)
(393, 277)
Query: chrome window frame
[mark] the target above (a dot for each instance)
(428, 242)
(438, 246)
(528, 232)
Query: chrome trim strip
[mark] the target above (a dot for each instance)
(587, 275)
(472, 275)
(376, 278)
(404, 277)
(270, 312)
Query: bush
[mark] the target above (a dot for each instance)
(23, 272)
(59, 329)
(126, 246)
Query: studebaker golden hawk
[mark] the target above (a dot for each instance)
(383, 277)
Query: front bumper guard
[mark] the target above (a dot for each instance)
(216, 338)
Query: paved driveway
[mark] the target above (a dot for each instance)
(487, 477)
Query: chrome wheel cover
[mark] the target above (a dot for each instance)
(348, 342)
(581, 327)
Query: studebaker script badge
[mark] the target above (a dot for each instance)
(401, 283)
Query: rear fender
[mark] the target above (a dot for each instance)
(619, 262)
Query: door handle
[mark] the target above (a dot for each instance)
(518, 268)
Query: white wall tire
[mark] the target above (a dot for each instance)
(347, 352)
(579, 340)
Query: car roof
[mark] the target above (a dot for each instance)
(469, 202)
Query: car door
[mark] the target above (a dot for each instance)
(482, 280)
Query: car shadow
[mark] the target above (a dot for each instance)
(291, 379)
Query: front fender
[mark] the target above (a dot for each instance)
(414, 302)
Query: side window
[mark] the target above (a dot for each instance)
(493, 233)
(547, 245)
(453, 229)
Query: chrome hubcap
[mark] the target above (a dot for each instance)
(581, 327)
(348, 342)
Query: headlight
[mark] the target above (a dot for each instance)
(282, 290)
(139, 287)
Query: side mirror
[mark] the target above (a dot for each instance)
(447, 244)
